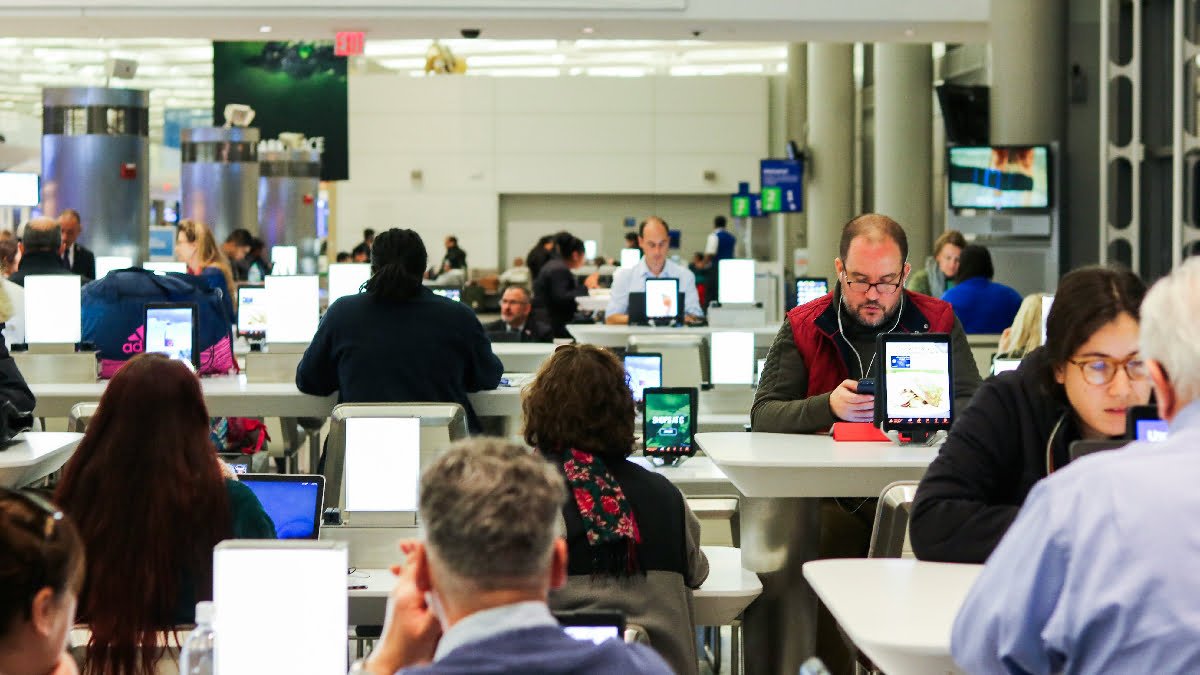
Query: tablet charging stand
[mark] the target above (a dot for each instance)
(928, 437)
(61, 363)
(275, 363)
(731, 315)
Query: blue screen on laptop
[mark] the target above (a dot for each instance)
(291, 506)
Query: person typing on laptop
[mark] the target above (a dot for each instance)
(472, 597)
(655, 240)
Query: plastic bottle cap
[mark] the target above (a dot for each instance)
(204, 612)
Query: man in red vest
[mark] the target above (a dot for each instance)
(827, 345)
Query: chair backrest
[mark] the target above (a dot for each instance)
(168, 664)
(685, 357)
(889, 535)
(79, 417)
(441, 425)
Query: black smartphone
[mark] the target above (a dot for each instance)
(866, 386)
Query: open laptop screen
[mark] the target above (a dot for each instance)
(292, 501)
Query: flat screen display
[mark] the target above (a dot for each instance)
(758, 368)
(283, 260)
(252, 311)
(293, 502)
(1005, 365)
(52, 309)
(280, 606)
(347, 279)
(19, 189)
(383, 464)
(108, 263)
(293, 308)
(662, 298)
(809, 289)
(454, 294)
(164, 267)
(732, 357)
(171, 331)
(1047, 303)
(669, 421)
(999, 177)
(917, 382)
(735, 281)
(630, 257)
(590, 249)
(593, 634)
(1151, 430)
(644, 370)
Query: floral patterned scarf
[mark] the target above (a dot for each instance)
(612, 530)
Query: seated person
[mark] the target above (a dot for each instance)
(556, 286)
(1092, 578)
(40, 250)
(634, 544)
(449, 276)
(825, 347)
(472, 597)
(1019, 426)
(150, 498)
(516, 323)
(41, 572)
(1025, 333)
(982, 305)
(940, 271)
(398, 341)
(517, 275)
(655, 240)
(236, 249)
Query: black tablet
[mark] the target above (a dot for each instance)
(914, 388)
(643, 369)
(1142, 423)
(809, 289)
(1078, 449)
(172, 328)
(669, 422)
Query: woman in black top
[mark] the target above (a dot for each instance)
(556, 286)
(1020, 424)
(398, 342)
(633, 543)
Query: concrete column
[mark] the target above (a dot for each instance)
(796, 115)
(1029, 71)
(831, 142)
(903, 176)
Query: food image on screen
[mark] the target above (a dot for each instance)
(169, 332)
(999, 178)
(643, 371)
(252, 312)
(662, 298)
(668, 424)
(918, 382)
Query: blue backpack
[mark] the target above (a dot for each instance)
(114, 311)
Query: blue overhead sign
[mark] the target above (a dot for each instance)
(781, 182)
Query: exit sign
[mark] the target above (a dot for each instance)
(349, 43)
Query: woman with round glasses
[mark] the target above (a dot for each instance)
(41, 572)
(1019, 425)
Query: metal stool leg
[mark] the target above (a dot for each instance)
(735, 647)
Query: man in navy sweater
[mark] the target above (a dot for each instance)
(472, 597)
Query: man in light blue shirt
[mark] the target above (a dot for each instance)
(655, 240)
(1097, 574)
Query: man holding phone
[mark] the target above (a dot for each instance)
(822, 365)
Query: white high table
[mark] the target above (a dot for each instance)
(897, 612)
(523, 357)
(603, 335)
(729, 589)
(782, 477)
(32, 456)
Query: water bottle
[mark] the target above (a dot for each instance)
(197, 657)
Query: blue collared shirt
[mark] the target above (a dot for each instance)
(634, 279)
(492, 622)
(1098, 572)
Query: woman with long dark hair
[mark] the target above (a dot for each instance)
(147, 492)
(1020, 424)
(41, 571)
(633, 543)
(399, 341)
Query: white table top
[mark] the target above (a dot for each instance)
(898, 612)
(696, 477)
(604, 335)
(503, 349)
(728, 590)
(802, 465)
(32, 456)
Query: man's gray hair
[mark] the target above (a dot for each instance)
(41, 234)
(1170, 324)
(491, 511)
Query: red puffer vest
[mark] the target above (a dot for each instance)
(818, 344)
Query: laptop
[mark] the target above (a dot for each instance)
(292, 501)
(637, 312)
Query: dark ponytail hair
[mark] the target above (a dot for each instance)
(38, 549)
(398, 260)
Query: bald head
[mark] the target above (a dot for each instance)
(875, 229)
(41, 234)
(655, 239)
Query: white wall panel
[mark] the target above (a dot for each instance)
(684, 174)
(391, 93)
(732, 94)
(414, 132)
(578, 173)
(695, 133)
(575, 95)
(573, 134)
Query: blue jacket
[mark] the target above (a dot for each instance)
(983, 306)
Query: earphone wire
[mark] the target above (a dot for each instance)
(842, 333)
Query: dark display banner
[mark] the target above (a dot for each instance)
(292, 86)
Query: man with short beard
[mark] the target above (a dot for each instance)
(824, 347)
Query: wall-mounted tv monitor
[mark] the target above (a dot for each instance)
(19, 189)
(999, 177)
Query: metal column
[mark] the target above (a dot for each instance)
(903, 162)
(1121, 149)
(831, 142)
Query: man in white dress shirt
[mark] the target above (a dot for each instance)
(655, 239)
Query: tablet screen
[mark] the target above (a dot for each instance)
(383, 464)
(283, 260)
(252, 310)
(918, 382)
(594, 634)
(662, 298)
(1151, 430)
(452, 293)
(644, 370)
(735, 281)
(52, 309)
(668, 422)
(347, 279)
(630, 257)
(169, 331)
(808, 290)
(732, 358)
(293, 308)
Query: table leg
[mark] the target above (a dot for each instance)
(780, 627)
